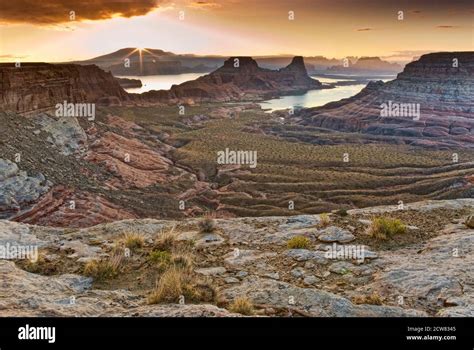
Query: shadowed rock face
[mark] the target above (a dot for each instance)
(443, 91)
(38, 87)
(240, 78)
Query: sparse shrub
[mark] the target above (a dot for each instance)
(133, 240)
(166, 240)
(176, 283)
(40, 266)
(324, 220)
(207, 224)
(342, 212)
(160, 257)
(169, 287)
(243, 306)
(102, 270)
(298, 242)
(182, 260)
(384, 228)
(469, 221)
(372, 299)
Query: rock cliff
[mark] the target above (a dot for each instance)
(37, 87)
(441, 85)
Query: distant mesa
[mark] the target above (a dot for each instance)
(366, 65)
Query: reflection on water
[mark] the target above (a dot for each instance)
(161, 82)
(312, 98)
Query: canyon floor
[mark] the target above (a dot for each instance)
(172, 158)
(134, 216)
(423, 272)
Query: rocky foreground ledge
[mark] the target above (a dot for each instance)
(426, 271)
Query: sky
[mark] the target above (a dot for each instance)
(58, 31)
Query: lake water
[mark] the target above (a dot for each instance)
(312, 98)
(316, 98)
(161, 82)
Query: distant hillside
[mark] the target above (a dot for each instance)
(156, 62)
(132, 61)
(367, 65)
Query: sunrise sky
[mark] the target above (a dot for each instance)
(33, 30)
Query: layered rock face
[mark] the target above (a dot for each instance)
(37, 87)
(240, 78)
(78, 173)
(439, 85)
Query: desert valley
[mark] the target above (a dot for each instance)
(152, 182)
(142, 177)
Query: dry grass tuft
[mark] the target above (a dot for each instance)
(298, 242)
(183, 260)
(207, 224)
(372, 299)
(384, 228)
(102, 270)
(243, 306)
(325, 220)
(176, 285)
(469, 221)
(166, 240)
(133, 240)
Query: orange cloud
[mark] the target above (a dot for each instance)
(47, 12)
(447, 27)
(204, 4)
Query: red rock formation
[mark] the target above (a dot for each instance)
(54, 209)
(37, 87)
(240, 78)
(444, 93)
(132, 162)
